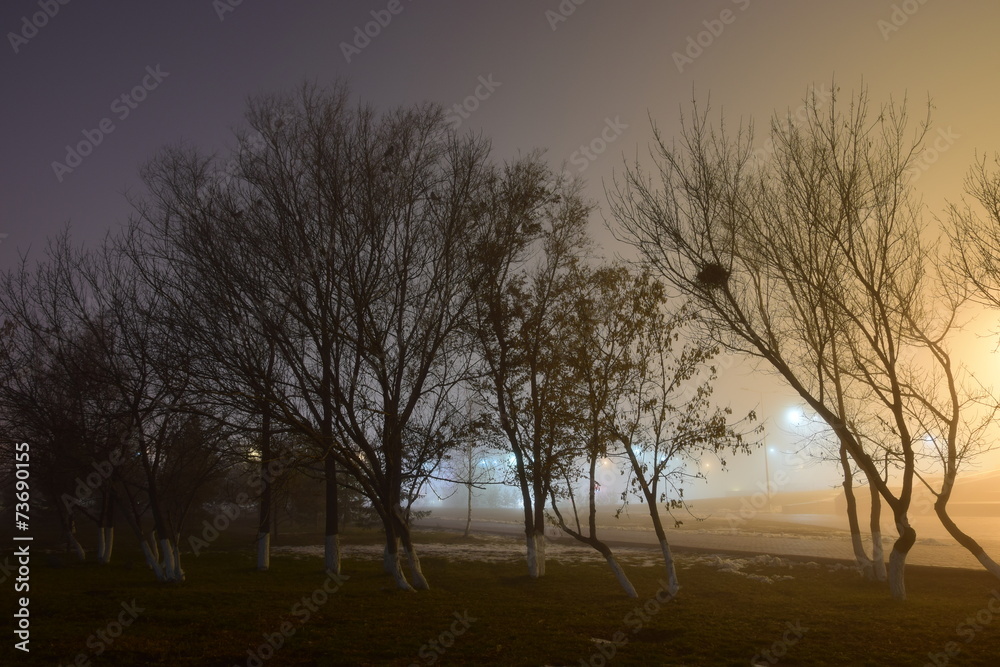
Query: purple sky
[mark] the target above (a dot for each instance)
(560, 83)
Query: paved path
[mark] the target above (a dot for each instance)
(776, 541)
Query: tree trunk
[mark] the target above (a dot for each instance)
(264, 517)
(105, 543)
(419, 581)
(177, 573)
(529, 538)
(108, 521)
(109, 543)
(603, 549)
(390, 561)
(941, 509)
(468, 516)
(69, 532)
(263, 551)
(897, 558)
(169, 570)
(100, 543)
(668, 559)
(864, 563)
(673, 586)
(168, 566)
(540, 551)
(623, 580)
(152, 560)
(331, 551)
(105, 528)
(878, 555)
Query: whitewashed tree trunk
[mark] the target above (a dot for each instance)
(897, 565)
(878, 555)
(152, 561)
(263, 552)
(109, 543)
(389, 556)
(976, 549)
(391, 564)
(861, 557)
(169, 569)
(75, 546)
(897, 558)
(154, 543)
(105, 543)
(168, 566)
(177, 574)
(991, 565)
(620, 575)
(532, 557)
(673, 586)
(419, 581)
(331, 554)
(167, 554)
(540, 553)
(468, 515)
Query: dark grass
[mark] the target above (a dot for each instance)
(225, 608)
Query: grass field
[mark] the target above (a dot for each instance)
(493, 614)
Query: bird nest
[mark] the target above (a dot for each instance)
(713, 275)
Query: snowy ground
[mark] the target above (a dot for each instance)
(498, 549)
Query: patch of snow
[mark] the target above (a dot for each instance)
(503, 549)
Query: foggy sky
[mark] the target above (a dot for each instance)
(566, 77)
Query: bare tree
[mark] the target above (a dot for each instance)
(56, 391)
(150, 368)
(644, 388)
(538, 233)
(470, 461)
(121, 397)
(350, 241)
(594, 315)
(814, 262)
